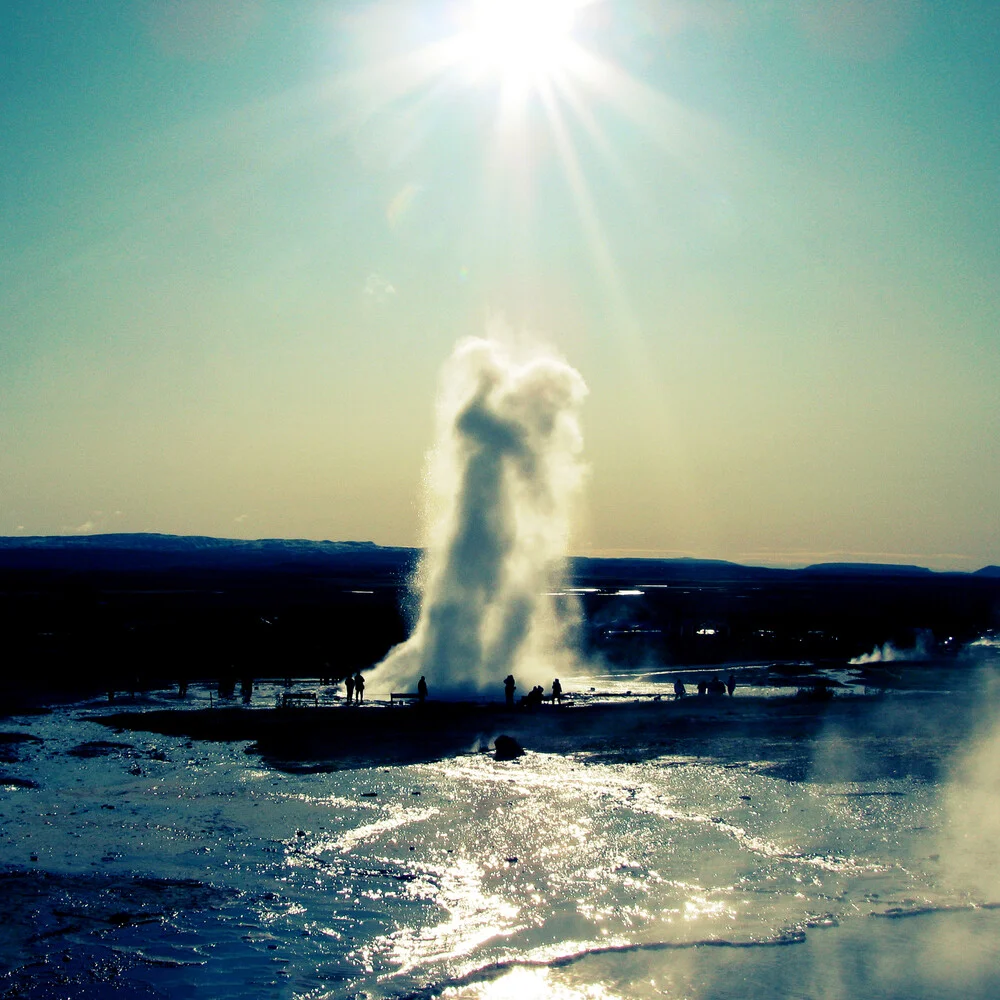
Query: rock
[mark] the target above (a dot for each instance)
(7, 779)
(507, 748)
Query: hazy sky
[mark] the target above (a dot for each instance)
(240, 237)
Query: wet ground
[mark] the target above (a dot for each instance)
(754, 847)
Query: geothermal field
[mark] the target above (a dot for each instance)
(756, 783)
(755, 845)
(499, 500)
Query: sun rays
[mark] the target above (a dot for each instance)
(525, 117)
(539, 91)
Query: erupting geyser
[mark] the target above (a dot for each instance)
(501, 483)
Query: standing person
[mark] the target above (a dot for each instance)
(422, 689)
(349, 684)
(679, 689)
(731, 686)
(508, 690)
(556, 692)
(359, 687)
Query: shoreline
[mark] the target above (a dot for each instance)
(628, 729)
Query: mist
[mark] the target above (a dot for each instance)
(922, 649)
(501, 484)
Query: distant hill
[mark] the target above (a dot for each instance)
(157, 552)
(151, 551)
(590, 570)
(866, 569)
(154, 542)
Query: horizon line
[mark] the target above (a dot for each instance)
(764, 560)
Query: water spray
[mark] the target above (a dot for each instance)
(501, 484)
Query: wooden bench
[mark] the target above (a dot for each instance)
(291, 698)
(402, 696)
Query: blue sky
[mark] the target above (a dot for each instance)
(240, 239)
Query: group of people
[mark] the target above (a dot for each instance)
(355, 688)
(714, 686)
(534, 697)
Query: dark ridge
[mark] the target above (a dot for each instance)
(152, 550)
(866, 569)
(156, 541)
(585, 570)
(122, 552)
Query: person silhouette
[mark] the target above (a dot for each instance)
(422, 689)
(508, 689)
(349, 684)
(556, 692)
(359, 687)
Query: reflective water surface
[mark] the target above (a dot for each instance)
(140, 865)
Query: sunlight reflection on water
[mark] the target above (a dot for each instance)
(490, 879)
(529, 984)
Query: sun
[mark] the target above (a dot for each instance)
(520, 41)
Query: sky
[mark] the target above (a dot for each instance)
(241, 237)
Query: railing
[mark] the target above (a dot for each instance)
(289, 698)
(402, 696)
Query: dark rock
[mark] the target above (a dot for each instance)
(8, 779)
(11, 745)
(507, 748)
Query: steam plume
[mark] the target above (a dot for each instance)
(501, 482)
(922, 649)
